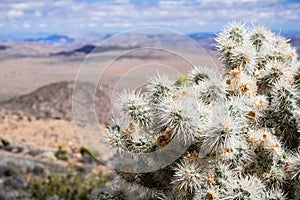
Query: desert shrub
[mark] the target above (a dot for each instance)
(242, 123)
(62, 154)
(181, 80)
(93, 153)
(66, 186)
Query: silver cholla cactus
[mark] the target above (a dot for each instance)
(242, 122)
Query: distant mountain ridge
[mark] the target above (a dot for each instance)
(73, 45)
(86, 49)
(3, 47)
(197, 35)
(52, 39)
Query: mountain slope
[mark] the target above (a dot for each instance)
(55, 101)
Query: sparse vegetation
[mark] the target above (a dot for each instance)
(62, 154)
(93, 153)
(67, 186)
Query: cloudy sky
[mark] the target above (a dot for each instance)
(63, 16)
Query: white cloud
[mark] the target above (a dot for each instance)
(64, 3)
(20, 6)
(92, 25)
(230, 2)
(70, 14)
(171, 3)
(266, 15)
(99, 13)
(77, 6)
(42, 25)
(122, 1)
(17, 9)
(26, 25)
(15, 13)
(111, 25)
(37, 13)
(201, 23)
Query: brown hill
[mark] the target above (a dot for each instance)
(25, 49)
(55, 101)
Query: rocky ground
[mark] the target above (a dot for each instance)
(42, 156)
(34, 149)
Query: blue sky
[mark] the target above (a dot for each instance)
(67, 16)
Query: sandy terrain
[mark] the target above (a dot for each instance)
(45, 134)
(21, 75)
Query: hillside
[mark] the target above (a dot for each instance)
(54, 101)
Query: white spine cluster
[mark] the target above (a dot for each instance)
(242, 123)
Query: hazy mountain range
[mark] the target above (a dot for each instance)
(56, 39)
(77, 41)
